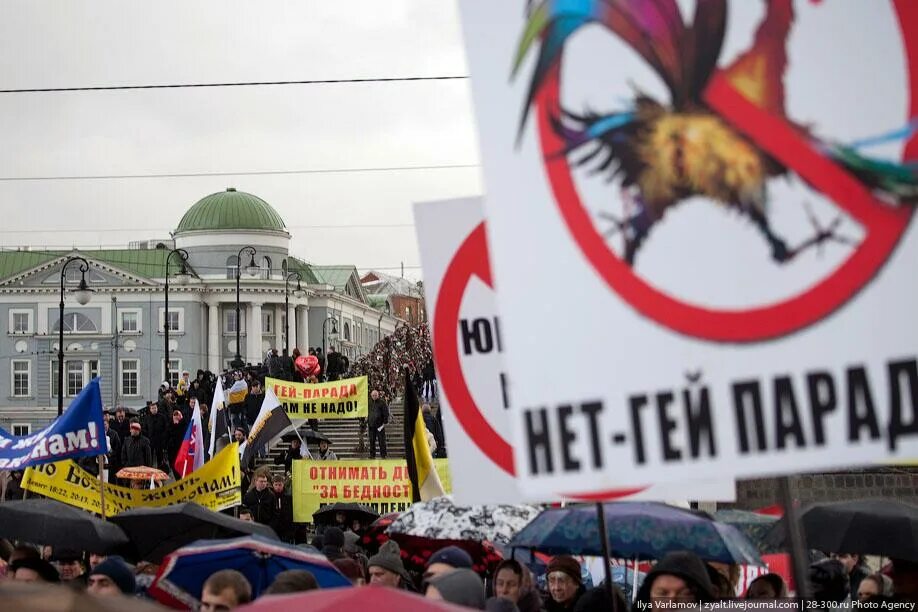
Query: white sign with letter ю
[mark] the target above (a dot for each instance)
(474, 391)
(700, 220)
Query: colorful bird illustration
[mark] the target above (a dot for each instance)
(663, 154)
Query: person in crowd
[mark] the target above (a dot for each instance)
(245, 514)
(320, 356)
(565, 585)
(460, 586)
(292, 581)
(768, 586)
(856, 569)
(354, 551)
(513, 581)
(111, 577)
(904, 575)
(261, 499)
(679, 577)
(293, 452)
(70, 565)
(729, 584)
(721, 583)
(156, 427)
(33, 569)
(205, 421)
(283, 510)
(136, 449)
(113, 457)
(253, 402)
(446, 560)
(248, 470)
(225, 590)
(430, 381)
(352, 571)
(386, 567)
(275, 364)
(175, 437)
(597, 600)
(23, 551)
(874, 585)
(325, 453)
(500, 604)
(377, 420)
(829, 581)
(183, 387)
(333, 544)
(95, 559)
(121, 424)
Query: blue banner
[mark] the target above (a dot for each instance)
(79, 432)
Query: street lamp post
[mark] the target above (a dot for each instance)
(181, 278)
(298, 292)
(82, 293)
(251, 269)
(334, 330)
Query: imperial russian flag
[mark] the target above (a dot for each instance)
(191, 453)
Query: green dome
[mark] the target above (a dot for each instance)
(231, 209)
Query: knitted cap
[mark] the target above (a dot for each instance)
(389, 558)
(566, 564)
(118, 571)
(333, 536)
(462, 587)
(452, 556)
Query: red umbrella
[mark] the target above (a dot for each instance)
(350, 600)
(375, 535)
(416, 551)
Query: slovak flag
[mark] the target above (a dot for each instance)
(191, 453)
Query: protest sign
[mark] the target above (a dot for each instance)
(79, 432)
(338, 399)
(475, 391)
(215, 485)
(691, 283)
(381, 484)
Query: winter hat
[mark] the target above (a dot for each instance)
(41, 567)
(118, 571)
(66, 555)
(333, 536)
(462, 587)
(292, 581)
(389, 558)
(829, 580)
(566, 564)
(683, 565)
(452, 556)
(351, 542)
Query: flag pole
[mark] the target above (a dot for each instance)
(102, 484)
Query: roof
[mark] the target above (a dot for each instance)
(17, 262)
(305, 270)
(146, 263)
(230, 209)
(389, 285)
(340, 277)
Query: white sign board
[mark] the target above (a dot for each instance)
(700, 222)
(474, 390)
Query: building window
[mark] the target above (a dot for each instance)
(266, 268)
(129, 376)
(347, 331)
(22, 429)
(176, 320)
(129, 320)
(284, 268)
(175, 372)
(229, 321)
(76, 323)
(232, 266)
(20, 321)
(22, 377)
(75, 377)
(267, 320)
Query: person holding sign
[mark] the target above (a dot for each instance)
(377, 421)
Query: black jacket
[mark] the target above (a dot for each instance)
(552, 606)
(136, 451)
(378, 413)
(174, 440)
(262, 504)
(683, 565)
(334, 364)
(283, 517)
(275, 365)
(287, 459)
(114, 449)
(253, 407)
(123, 429)
(156, 426)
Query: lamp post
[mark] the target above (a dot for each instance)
(325, 333)
(82, 293)
(298, 292)
(251, 269)
(181, 278)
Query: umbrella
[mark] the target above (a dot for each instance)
(156, 532)
(416, 551)
(375, 535)
(307, 435)
(352, 512)
(751, 524)
(142, 472)
(35, 597)
(183, 573)
(867, 526)
(636, 530)
(350, 600)
(44, 521)
(441, 519)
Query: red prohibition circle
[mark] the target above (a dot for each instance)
(884, 224)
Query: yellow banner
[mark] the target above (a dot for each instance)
(340, 399)
(381, 484)
(216, 485)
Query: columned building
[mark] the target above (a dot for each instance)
(120, 334)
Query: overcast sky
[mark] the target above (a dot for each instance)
(47, 44)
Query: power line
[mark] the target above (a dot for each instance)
(166, 230)
(243, 173)
(237, 84)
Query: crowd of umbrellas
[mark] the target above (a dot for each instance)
(183, 544)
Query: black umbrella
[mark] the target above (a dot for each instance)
(352, 512)
(156, 532)
(45, 521)
(867, 527)
(307, 435)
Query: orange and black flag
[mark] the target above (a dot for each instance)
(425, 482)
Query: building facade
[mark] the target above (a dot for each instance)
(120, 333)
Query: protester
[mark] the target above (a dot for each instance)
(376, 423)
(136, 450)
(95, 559)
(30, 569)
(446, 560)
(829, 581)
(768, 586)
(174, 438)
(325, 453)
(253, 402)
(874, 585)
(679, 577)
(225, 590)
(597, 600)
(290, 455)
(23, 551)
(156, 427)
(352, 571)
(283, 511)
(261, 499)
(904, 575)
(565, 585)
(386, 567)
(333, 542)
(112, 459)
(510, 582)
(461, 586)
(121, 424)
(723, 589)
(111, 577)
(856, 569)
(245, 515)
(500, 604)
(70, 565)
(292, 581)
